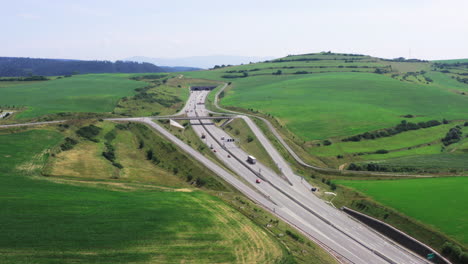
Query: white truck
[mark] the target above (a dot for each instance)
(251, 159)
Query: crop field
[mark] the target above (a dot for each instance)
(429, 161)
(79, 93)
(340, 95)
(47, 222)
(439, 202)
(340, 104)
(403, 140)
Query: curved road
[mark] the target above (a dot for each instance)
(290, 200)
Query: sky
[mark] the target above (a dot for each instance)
(117, 29)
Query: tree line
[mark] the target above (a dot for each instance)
(402, 127)
(16, 67)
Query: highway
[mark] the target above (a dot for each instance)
(292, 199)
(289, 199)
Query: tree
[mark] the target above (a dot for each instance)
(249, 138)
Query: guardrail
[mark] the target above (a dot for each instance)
(397, 236)
(297, 201)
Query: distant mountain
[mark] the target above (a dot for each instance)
(179, 68)
(204, 62)
(14, 66)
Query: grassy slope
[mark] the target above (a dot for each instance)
(80, 93)
(402, 140)
(339, 104)
(46, 222)
(440, 202)
(452, 61)
(166, 97)
(239, 130)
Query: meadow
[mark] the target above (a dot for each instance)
(50, 220)
(80, 93)
(400, 142)
(339, 104)
(438, 202)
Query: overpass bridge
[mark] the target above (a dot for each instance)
(193, 117)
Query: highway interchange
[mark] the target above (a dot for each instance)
(287, 195)
(289, 199)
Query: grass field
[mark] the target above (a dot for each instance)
(79, 93)
(342, 98)
(47, 222)
(399, 141)
(339, 104)
(433, 162)
(439, 202)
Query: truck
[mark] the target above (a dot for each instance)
(251, 159)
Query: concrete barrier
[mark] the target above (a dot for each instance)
(398, 236)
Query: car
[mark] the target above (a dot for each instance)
(229, 156)
(313, 189)
(258, 181)
(214, 150)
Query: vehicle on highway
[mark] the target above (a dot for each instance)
(214, 150)
(251, 159)
(258, 181)
(313, 189)
(228, 156)
(203, 135)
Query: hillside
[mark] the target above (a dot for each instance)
(342, 98)
(13, 66)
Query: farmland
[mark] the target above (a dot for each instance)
(79, 93)
(340, 104)
(315, 97)
(438, 202)
(48, 220)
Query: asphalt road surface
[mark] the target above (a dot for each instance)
(292, 199)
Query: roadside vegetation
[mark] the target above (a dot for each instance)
(156, 205)
(436, 204)
(247, 141)
(364, 117)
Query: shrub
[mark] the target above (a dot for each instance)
(68, 144)
(141, 144)
(327, 142)
(249, 138)
(121, 126)
(381, 151)
(453, 136)
(293, 235)
(89, 132)
(149, 154)
(117, 165)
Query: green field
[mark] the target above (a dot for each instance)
(452, 61)
(339, 104)
(47, 222)
(340, 96)
(428, 161)
(79, 93)
(439, 202)
(396, 142)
